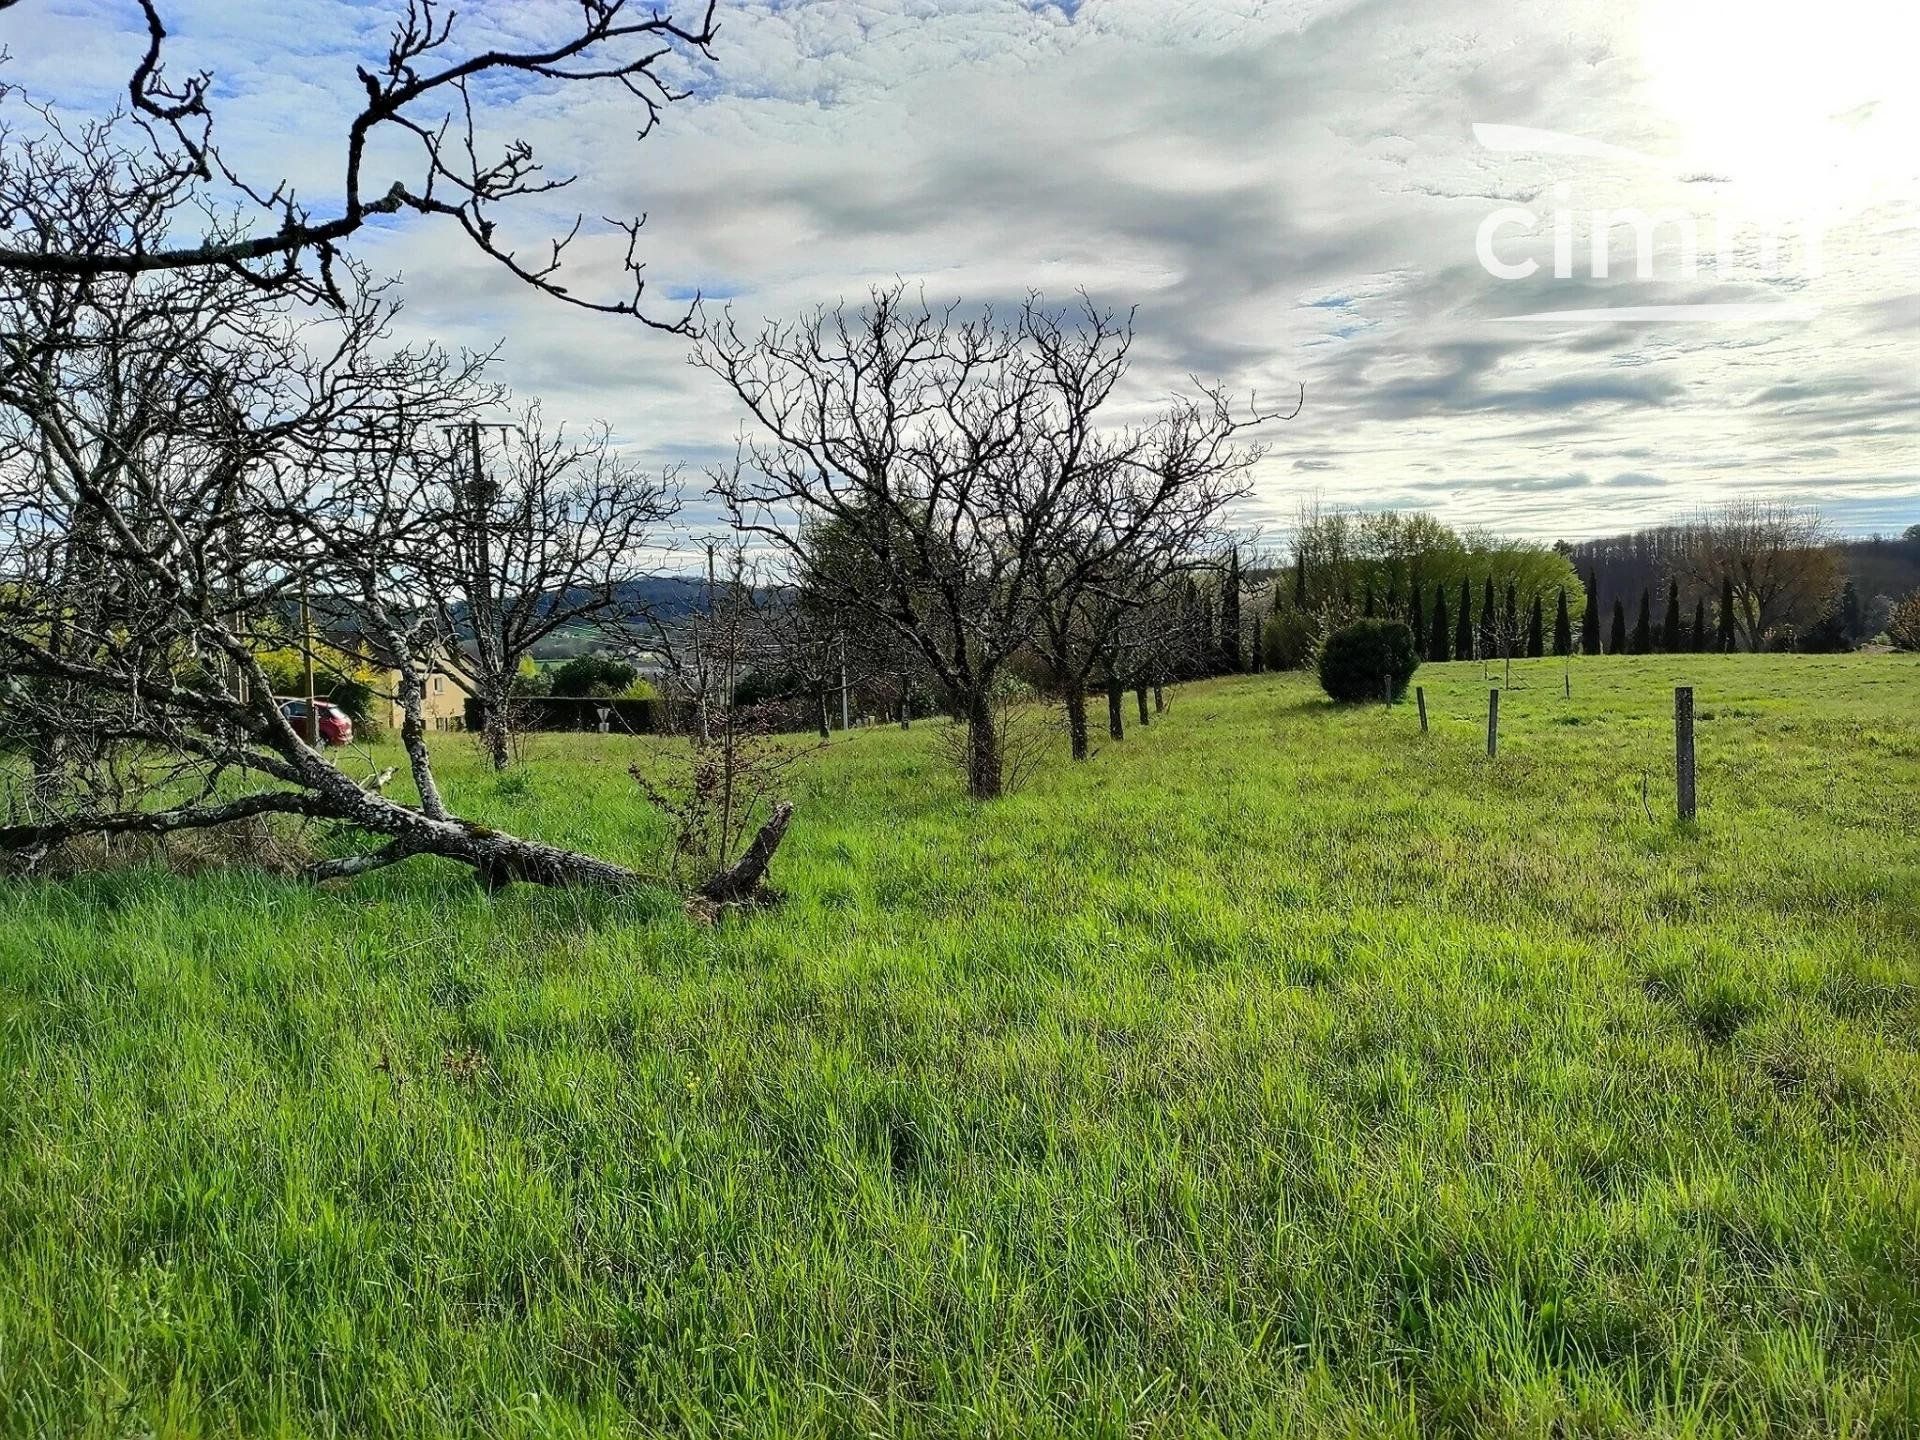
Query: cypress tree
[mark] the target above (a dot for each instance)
(1257, 651)
(1416, 616)
(1486, 619)
(1728, 641)
(1590, 622)
(1642, 642)
(1536, 623)
(1230, 614)
(1463, 624)
(1562, 626)
(1510, 616)
(1700, 624)
(1300, 579)
(1209, 657)
(1437, 648)
(1670, 631)
(1852, 623)
(1617, 641)
(1393, 598)
(1369, 599)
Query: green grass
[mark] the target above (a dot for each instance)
(1280, 1071)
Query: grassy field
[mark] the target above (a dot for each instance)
(1280, 1071)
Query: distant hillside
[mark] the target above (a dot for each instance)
(668, 596)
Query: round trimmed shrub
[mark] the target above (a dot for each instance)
(1357, 658)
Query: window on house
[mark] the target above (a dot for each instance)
(438, 681)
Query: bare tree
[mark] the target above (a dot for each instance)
(180, 455)
(1089, 616)
(1903, 622)
(419, 98)
(732, 780)
(533, 532)
(1779, 558)
(954, 458)
(1154, 640)
(863, 657)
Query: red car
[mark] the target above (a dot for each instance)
(336, 728)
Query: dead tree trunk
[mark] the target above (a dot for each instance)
(495, 857)
(742, 880)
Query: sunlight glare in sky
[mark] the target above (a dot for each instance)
(1803, 107)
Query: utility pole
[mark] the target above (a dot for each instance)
(701, 678)
(312, 715)
(477, 503)
(844, 723)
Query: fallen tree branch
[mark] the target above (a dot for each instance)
(159, 822)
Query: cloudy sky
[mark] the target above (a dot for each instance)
(1293, 192)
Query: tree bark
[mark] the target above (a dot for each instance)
(413, 739)
(498, 741)
(495, 857)
(1116, 709)
(1140, 694)
(1076, 703)
(983, 746)
(1159, 699)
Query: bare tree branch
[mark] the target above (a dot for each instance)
(180, 454)
(423, 91)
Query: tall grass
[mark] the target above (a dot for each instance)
(1280, 1071)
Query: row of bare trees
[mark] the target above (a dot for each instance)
(207, 427)
(946, 481)
(186, 457)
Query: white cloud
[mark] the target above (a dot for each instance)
(1290, 191)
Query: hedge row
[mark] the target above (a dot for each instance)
(568, 712)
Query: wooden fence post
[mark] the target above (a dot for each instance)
(1493, 723)
(1683, 748)
(1420, 697)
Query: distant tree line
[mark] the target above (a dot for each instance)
(940, 491)
(1749, 575)
(1461, 594)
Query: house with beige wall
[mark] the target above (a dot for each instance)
(443, 707)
